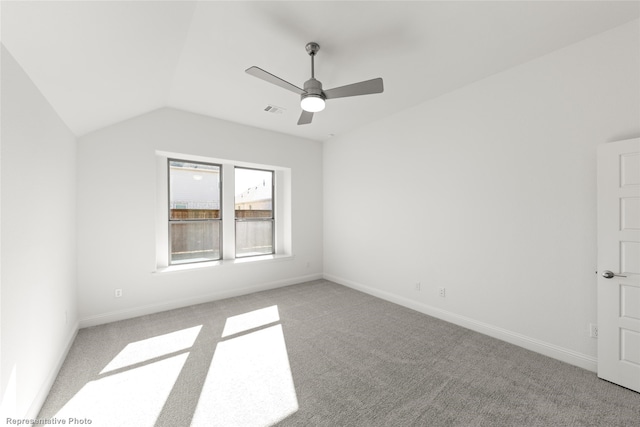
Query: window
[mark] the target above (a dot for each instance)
(218, 210)
(194, 212)
(254, 216)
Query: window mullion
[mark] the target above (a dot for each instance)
(228, 212)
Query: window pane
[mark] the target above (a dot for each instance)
(195, 241)
(254, 238)
(194, 211)
(254, 212)
(194, 190)
(254, 193)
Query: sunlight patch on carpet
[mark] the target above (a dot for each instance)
(250, 320)
(133, 398)
(249, 382)
(151, 348)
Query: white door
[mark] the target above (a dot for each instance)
(619, 263)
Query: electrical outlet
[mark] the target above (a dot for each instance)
(442, 292)
(593, 330)
(417, 286)
(118, 293)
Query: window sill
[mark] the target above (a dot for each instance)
(221, 263)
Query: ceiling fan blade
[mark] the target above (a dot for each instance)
(305, 118)
(363, 88)
(266, 76)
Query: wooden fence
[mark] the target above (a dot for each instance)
(186, 214)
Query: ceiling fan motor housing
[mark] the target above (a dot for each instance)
(313, 87)
(312, 100)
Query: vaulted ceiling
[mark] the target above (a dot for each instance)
(98, 63)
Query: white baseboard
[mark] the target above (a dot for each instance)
(45, 388)
(551, 350)
(130, 313)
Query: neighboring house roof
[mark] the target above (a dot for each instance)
(255, 194)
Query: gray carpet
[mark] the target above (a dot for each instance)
(320, 354)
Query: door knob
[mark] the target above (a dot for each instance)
(610, 274)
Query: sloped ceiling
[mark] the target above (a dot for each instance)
(102, 62)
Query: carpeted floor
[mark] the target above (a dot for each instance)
(319, 354)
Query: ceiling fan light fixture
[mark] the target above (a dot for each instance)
(312, 103)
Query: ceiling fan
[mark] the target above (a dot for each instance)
(312, 97)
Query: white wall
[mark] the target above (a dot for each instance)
(490, 192)
(38, 252)
(117, 206)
